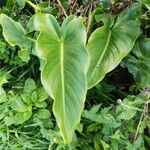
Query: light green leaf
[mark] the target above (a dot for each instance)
(2, 47)
(21, 117)
(14, 34)
(29, 85)
(3, 77)
(17, 104)
(42, 94)
(146, 2)
(3, 111)
(64, 73)
(130, 13)
(34, 96)
(26, 97)
(139, 143)
(105, 145)
(3, 96)
(41, 104)
(107, 46)
(129, 107)
(9, 120)
(43, 114)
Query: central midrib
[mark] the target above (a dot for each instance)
(62, 80)
(103, 53)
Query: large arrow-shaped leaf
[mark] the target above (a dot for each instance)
(108, 45)
(64, 72)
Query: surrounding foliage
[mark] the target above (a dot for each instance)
(74, 75)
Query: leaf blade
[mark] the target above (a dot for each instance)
(14, 34)
(107, 47)
(64, 71)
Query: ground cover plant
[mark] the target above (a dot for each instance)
(74, 75)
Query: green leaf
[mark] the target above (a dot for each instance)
(2, 47)
(108, 45)
(46, 8)
(3, 96)
(3, 77)
(21, 117)
(139, 142)
(138, 64)
(93, 115)
(129, 107)
(9, 120)
(21, 3)
(34, 96)
(96, 144)
(41, 104)
(64, 73)
(42, 94)
(117, 135)
(146, 2)
(29, 85)
(14, 34)
(3, 111)
(10, 3)
(130, 13)
(26, 97)
(105, 145)
(17, 104)
(44, 114)
(93, 128)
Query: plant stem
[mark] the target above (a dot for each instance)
(59, 3)
(139, 124)
(138, 127)
(34, 6)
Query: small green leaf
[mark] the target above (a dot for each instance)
(46, 8)
(3, 111)
(34, 97)
(26, 97)
(3, 96)
(3, 77)
(117, 135)
(9, 120)
(17, 104)
(40, 104)
(139, 142)
(129, 107)
(42, 94)
(105, 145)
(21, 3)
(92, 128)
(21, 117)
(127, 114)
(2, 47)
(96, 144)
(29, 85)
(44, 114)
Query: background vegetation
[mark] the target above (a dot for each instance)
(116, 114)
